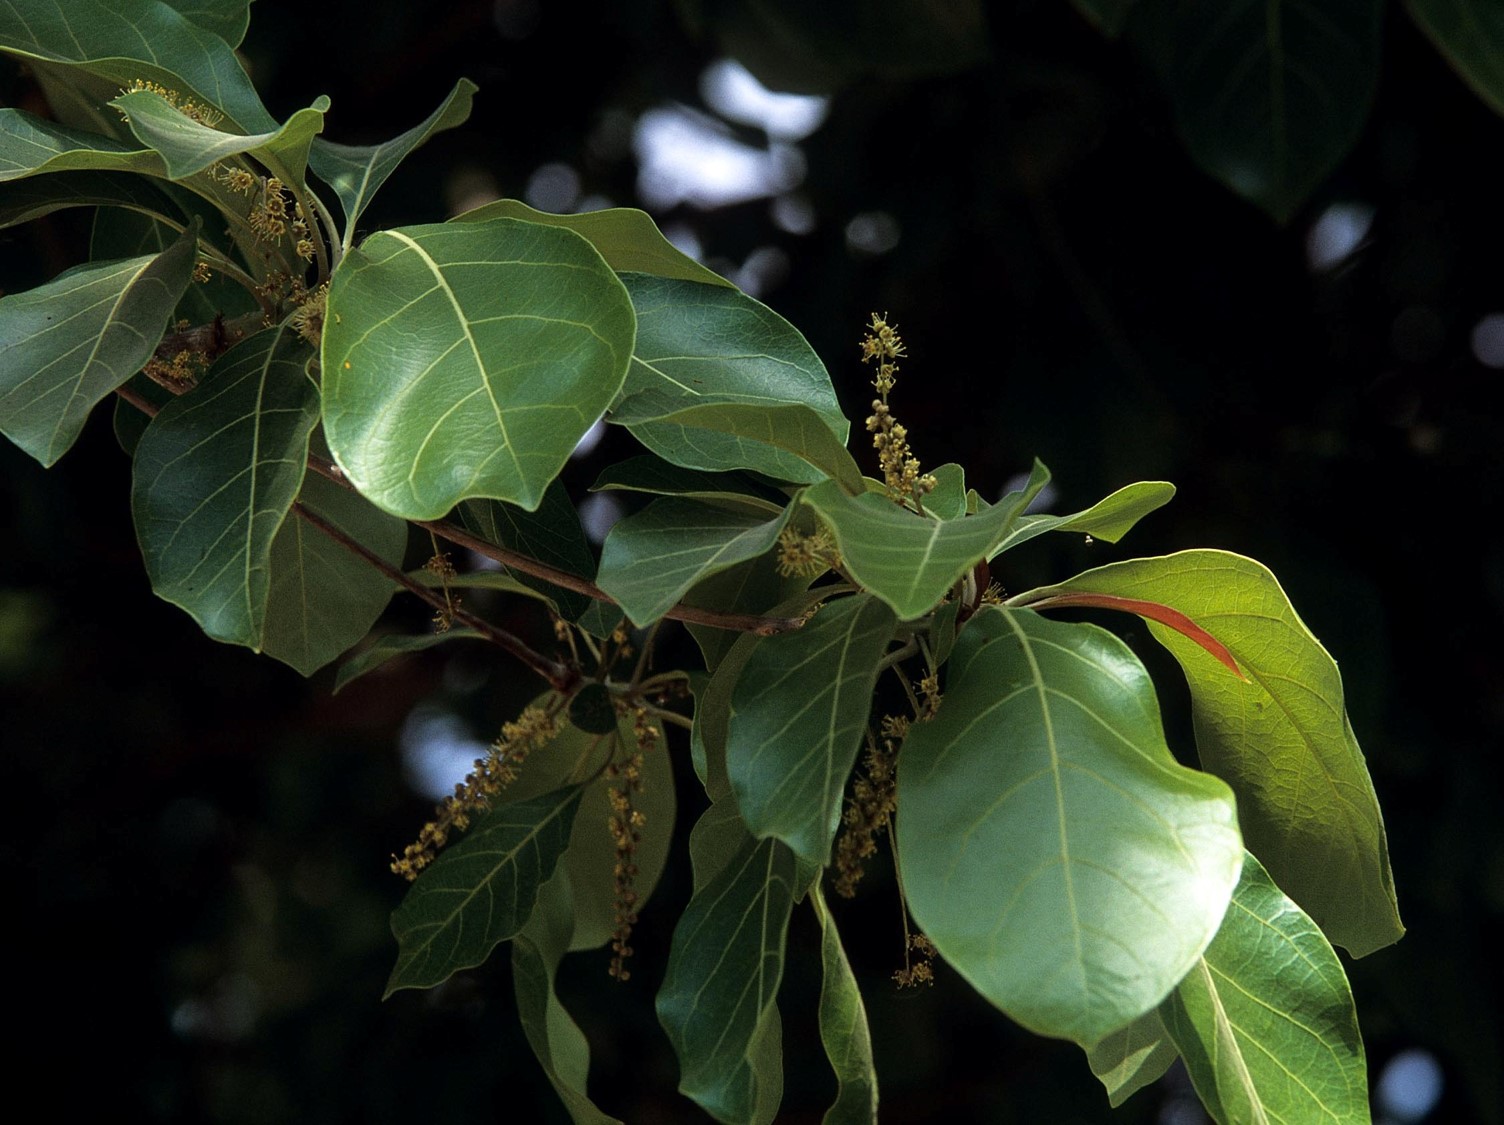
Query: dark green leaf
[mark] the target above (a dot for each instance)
(1268, 96)
(498, 580)
(556, 1039)
(386, 648)
(480, 891)
(592, 711)
(122, 41)
(843, 1029)
(1265, 1020)
(215, 474)
(188, 146)
(655, 475)
(227, 19)
(943, 631)
(754, 586)
(718, 1002)
(551, 535)
(1282, 731)
(1470, 33)
(905, 559)
(30, 146)
(120, 233)
(700, 344)
(627, 238)
(798, 713)
(355, 172)
(323, 598)
(1133, 1057)
(1108, 17)
(1051, 847)
(24, 200)
(71, 342)
(651, 558)
(1110, 518)
(467, 360)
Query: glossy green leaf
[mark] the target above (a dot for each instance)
(1281, 738)
(66, 345)
(1265, 1020)
(481, 890)
(552, 534)
(356, 172)
(1133, 1057)
(754, 586)
(467, 360)
(215, 474)
(24, 200)
(843, 1028)
(121, 233)
(627, 238)
(798, 715)
(121, 41)
(187, 146)
(323, 599)
(1107, 16)
(1051, 847)
(744, 435)
(699, 344)
(1470, 34)
(661, 478)
(907, 560)
(1110, 518)
(386, 648)
(30, 146)
(1268, 96)
(556, 1040)
(227, 19)
(718, 1002)
(651, 558)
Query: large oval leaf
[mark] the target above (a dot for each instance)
(843, 1028)
(30, 146)
(798, 713)
(187, 146)
(700, 344)
(1050, 845)
(481, 891)
(69, 343)
(1281, 738)
(468, 360)
(1265, 1020)
(215, 474)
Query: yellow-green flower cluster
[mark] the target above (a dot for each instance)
(900, 467)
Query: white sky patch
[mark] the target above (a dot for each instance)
(730, 90)
(1336, 233)
(688, 157)
(437, 751)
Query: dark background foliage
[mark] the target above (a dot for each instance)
(196, 837)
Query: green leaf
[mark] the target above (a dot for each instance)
(1108, 17)
(754, 586)
(943, 632)
(1268, 96)
(718, 1002)
(657, 476)
(386, 648)
(71, 342)
(627, 238)
(905, 559)
(497, 580)
(651, 558)
(1280, 734)
(1133, 1057)
(24, 200)
(551, 535)
(120, 233)
(324, 599)
(948, 500)
(356, 172)
(227, 19)
(558, 1043)
(1265, 1020)
(744, 435)
(1470, 33)
(1109, 519)
(468, 360)
(699, 344)
(188, 146)
(30, 146)
(480, 891)
(591, 709)
(215, 474)
(121, 41)
(1051, 847)
(798, 713)
(843, 1028)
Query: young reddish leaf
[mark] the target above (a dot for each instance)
(1154, 611)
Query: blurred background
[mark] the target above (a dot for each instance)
(197, 838)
